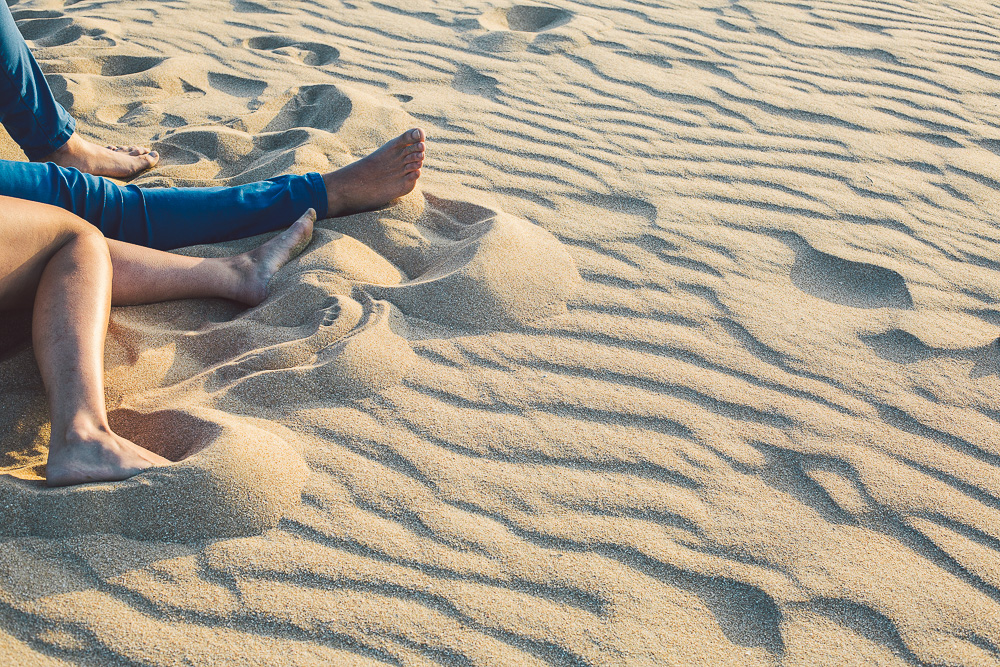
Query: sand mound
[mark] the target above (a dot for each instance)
(217, 489)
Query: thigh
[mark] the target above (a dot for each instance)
(30, 234)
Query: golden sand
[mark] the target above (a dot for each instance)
(683, 351)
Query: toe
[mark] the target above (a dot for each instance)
(414, 148)
(413, 136)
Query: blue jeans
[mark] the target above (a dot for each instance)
(162, 218)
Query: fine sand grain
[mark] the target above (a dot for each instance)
(683, 352)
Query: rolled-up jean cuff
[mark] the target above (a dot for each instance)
(320, 200)
(53, 143)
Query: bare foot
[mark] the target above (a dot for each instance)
(255, 268)
(114, 161)
(374, 181)
(96, 455)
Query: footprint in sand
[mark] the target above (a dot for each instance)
(136, 114)
(902, 347)
(49, 28)
(119, 65)
(842, 281)
(310, 53)
(468, 80)
(103, 65)
(526, 18)
(247, 7)
(544, 29)
(50, 31)
(237, 86)
(22, 14)
(83, 92)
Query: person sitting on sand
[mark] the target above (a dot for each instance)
(73, 243)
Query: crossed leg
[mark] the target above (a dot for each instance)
(71, 274)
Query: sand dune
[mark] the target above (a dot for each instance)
(683, 352)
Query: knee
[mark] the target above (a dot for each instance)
(76, 229)
(85, 241)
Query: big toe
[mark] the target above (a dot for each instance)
(140, 158)
(416, 135)
(302, 228)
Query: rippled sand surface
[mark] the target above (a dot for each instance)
(684, 352)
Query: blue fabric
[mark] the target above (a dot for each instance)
(167, 218)
(28, 111)
(162, 218)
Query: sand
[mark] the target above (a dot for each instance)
(684, 351)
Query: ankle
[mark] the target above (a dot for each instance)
(71, 147)
(244, 284)
(334, 196)
(80, 428)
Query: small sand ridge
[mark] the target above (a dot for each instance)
(683, 352)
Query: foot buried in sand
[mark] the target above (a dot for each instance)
(94, 453)
(115, 161)
(374, 181)
(256, 268)
(89, 451)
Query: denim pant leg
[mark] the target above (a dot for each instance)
(166, 218)
(28, 111)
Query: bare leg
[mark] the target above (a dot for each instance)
(143, 275)
(373, 181)
(66, 266)
(114, 161)
(68, 328)
(64, 263)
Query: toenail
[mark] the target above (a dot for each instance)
(415, 135)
